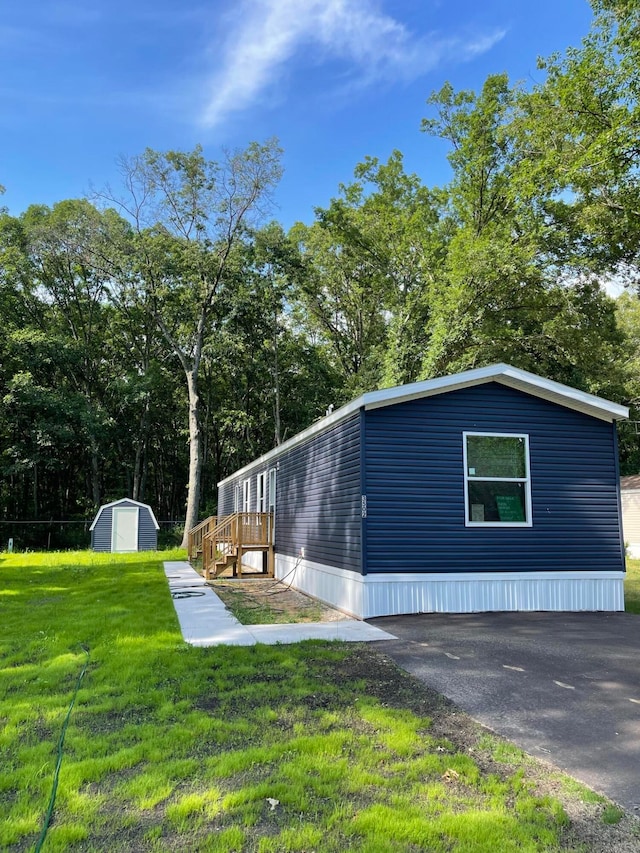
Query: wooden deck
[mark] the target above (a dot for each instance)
(222, 541)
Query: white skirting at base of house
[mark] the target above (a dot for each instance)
(471, 592)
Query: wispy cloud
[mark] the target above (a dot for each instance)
(267, 34)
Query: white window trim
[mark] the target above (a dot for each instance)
(272, 477)
(526, 481)
(246, 495)
(261, 492)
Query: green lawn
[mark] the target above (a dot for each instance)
(632, 587)
(312, 747)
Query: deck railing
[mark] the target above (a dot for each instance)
(233, 534)
(255, 528)
(197, 533)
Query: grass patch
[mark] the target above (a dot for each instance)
(254, 602)
(612, 815)
(315, 746)
(632, 587)
(247, 610)
(587, 795)
(504, 752)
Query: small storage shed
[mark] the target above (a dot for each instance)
(124, 525)
(630, 497)
(494, 489)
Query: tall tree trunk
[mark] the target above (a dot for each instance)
(95, 472)
(195, 456)
(140, 465)
(144, 471)
(135, 491)
(35, 491)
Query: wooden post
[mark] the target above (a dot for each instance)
(270, 562)
(240, 523)
(271, 556)
(205, 557)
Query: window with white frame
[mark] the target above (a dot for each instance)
(497, 481)
(236, 498)
(261, 492)
(246, 495)
(271, 500)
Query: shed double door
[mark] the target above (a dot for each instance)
(124, 532)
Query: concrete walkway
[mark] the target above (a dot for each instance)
(205, 621)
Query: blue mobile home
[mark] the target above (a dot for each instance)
(493, 489)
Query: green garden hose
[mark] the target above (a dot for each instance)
(56, 775)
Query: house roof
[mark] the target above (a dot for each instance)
(124, 501)
(505, 374)
(630, 482)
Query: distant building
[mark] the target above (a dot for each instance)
(124, 525)
(630, 498)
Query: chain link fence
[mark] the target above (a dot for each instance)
(68, 535)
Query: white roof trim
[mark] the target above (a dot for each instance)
(522, 380)
(124, 500)
(513, 377)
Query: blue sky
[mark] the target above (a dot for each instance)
(83, 82)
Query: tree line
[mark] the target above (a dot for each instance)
(162, 333)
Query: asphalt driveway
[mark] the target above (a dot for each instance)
(563, 686)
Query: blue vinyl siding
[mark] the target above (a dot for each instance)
(317, 497)
(415, 486)
(225, 498)
(318, 505)
(101, 533)
(147, 533)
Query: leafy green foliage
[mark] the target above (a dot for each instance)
(580, 129)
(504, 293)
(365, 264)
(153, 350)
(190, 216)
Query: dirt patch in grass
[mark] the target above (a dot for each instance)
(260, 601)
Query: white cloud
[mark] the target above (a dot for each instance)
(267, 34)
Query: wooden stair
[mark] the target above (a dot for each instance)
(224, 540)
(220, 565)
(197, 534)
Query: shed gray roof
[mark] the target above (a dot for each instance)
(124, 501)
(505, 374)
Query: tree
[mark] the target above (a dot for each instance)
(88, 389)
(62, 244)
(263, 380)
(580, 131)
(628, 317)
(508, 291)
(189, 215)
(366, 265)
